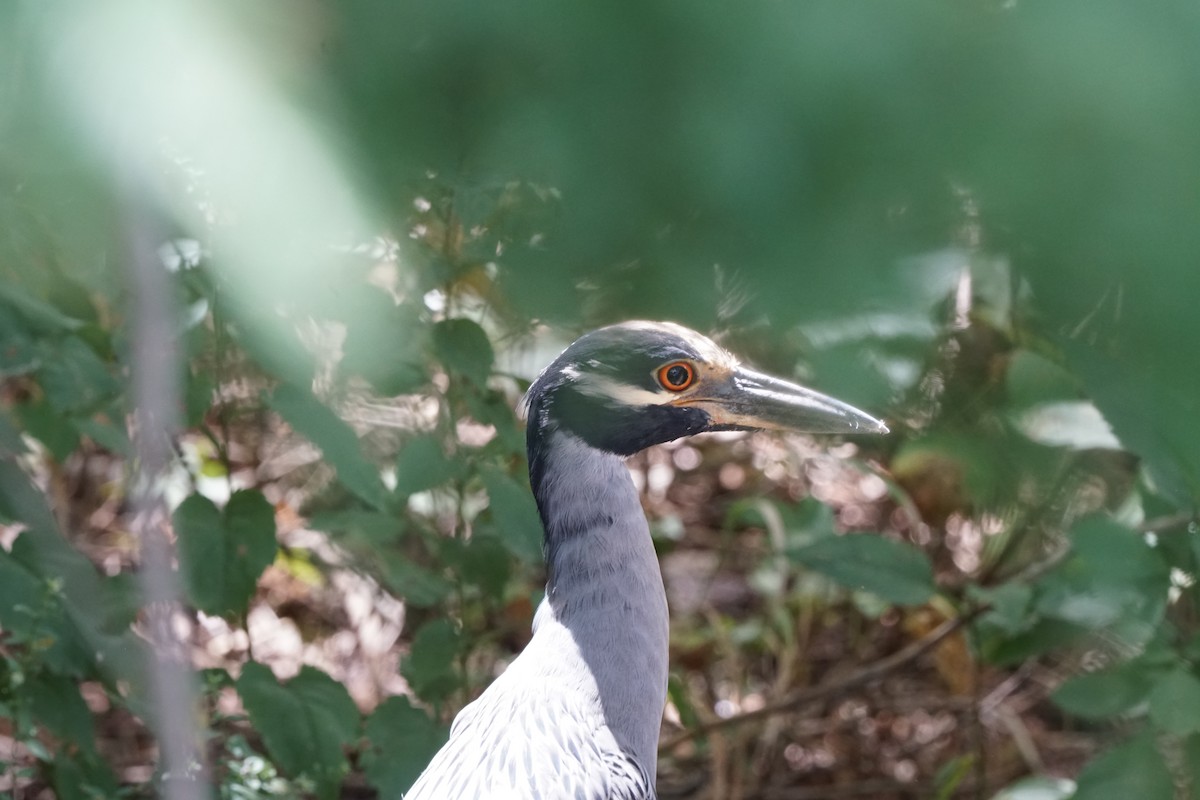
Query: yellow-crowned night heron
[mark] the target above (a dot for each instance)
(576, 716)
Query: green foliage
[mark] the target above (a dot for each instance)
(514, 515)
(403, 740)
(1133, 769)
(896, 571)
(336, 439)
(223, 552)
(430, 666)
(306, 722)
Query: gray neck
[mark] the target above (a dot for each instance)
(604, 584)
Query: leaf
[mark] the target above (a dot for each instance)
(481, 561)
(18, 352)
(1076, 424)
(429, 667)
(373, 319)
(1032, 379)
(111, 437)
(514, 514)
(1106, 693)
(37, 312)
(402, 739)
(1112, 577)
(493, 408)
(1191, 758)
(223, 553)
(50, 427)
(463, 347)
(1010, 605)
(11, 443)
(417, 585)
(1175, 703)
(1148, 415)
(336, 439)
(75, 379)
(1043, 636)
(82, 776)
(422, 465)
(373, 527)
(306, 723)
(58, 705)
(896, 571)
(1134, 769)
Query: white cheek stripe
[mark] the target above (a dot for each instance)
(623, 393)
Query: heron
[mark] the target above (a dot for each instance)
(576, 716)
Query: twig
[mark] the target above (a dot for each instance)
(156, 388)
(1165, 523)
(868, 674)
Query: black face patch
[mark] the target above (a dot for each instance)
(621, 429)
(629, 355)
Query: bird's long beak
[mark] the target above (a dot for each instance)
(748, 399)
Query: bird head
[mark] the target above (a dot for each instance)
(625, 387)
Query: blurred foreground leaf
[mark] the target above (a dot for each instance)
(464, 348)
(337, 441)
(1134, 769)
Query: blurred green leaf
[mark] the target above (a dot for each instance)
(58, 705)
(385, 343)
(1098, 695)
(337, 441)
(422, 465)
(429, 667)
(82, 776)
(1175, 703)
(1010, 606)
(416, 584)
(306, 722)
(514, 515)
(1151, 418)
(50, 427)
(11, 443)
(1042, 636)
(463, 347)
(375, 528)
(18, 350)
(402, 739)
(41, 315)
(1112, 577)
(1032, 379)
(222, 553)
(481, 561)
(896, 571)
(106, 434)
(75, 379)
(1133, 769)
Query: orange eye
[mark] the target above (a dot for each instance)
(676, 376)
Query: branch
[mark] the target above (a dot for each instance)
(1163, 524)
(868, 674)
(156, 394)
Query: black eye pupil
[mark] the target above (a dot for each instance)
(677, 375)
